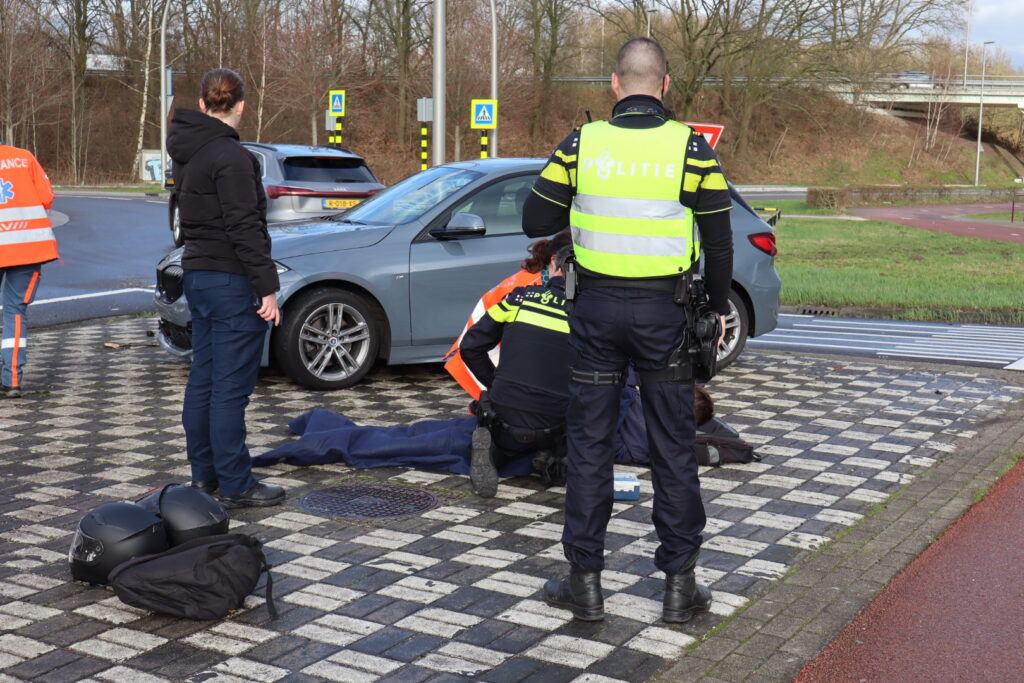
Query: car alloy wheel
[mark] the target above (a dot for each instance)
(179, 239)
(737, 327)
(329, 339)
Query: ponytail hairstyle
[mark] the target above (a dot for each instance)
(221, 90)
(542, 251)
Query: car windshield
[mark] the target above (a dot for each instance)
(327, 170)
(411, 198)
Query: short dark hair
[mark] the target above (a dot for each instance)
(703, 405)
(641, 64)
(221, 90)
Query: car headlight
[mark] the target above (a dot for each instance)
(281, 268)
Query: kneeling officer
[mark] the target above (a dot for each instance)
(522, 414)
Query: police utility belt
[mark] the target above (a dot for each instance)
(694, 360)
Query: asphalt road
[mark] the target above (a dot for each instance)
(110, 246)
(109, 249)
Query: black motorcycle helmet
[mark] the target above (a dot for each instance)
(188, 512)
(110, 535)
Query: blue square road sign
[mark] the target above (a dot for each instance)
(484, 113)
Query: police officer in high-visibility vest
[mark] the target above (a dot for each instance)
(26, 242)
(634, 190)
(522, 413)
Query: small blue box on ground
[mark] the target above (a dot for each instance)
(627, 486)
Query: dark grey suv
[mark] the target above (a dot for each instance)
(303, 182)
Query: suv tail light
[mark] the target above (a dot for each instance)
(765, 241)
(275, 191)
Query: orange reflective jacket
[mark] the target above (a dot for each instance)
(454, 365)
(26, 236)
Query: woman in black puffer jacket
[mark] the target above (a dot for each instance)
(230, 282)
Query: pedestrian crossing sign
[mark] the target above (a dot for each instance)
(485, 114)
(336, 99)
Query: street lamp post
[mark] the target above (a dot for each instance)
(649, 11)
(438, 134)
(494, 74)
(967, 46)
(163, 89)
(981, 111)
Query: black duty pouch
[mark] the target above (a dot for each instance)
(703, 328)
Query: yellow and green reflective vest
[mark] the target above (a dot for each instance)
(626, 217)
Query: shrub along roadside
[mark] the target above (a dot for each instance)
(899, 272)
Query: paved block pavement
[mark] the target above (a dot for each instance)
(453, 593)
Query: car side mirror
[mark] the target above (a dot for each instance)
(460, 226)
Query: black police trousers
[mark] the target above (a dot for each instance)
(506, 447)
(609, 328)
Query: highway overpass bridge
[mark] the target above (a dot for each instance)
(894, 94)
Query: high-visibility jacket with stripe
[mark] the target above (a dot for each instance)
(26, 235)
(535, 340)
(626, 217)
(454, 364)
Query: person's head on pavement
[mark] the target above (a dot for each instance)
(222, 96)
(640, 69)
(703, 405)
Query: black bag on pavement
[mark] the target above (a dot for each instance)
(204, 578)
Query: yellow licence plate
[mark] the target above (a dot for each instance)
(340, 203)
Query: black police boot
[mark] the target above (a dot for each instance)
(542, 462)
(259, 495)
(683, 597)
(580, 593)
(482, 472)
(208, 487)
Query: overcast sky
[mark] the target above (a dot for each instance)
(1003, 22)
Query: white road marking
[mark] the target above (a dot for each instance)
(980, 344)
(90, 296)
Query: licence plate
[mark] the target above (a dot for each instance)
(340, 203)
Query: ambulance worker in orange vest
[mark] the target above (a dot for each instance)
(26, 242)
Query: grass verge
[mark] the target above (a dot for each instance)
(998, 215)
(911, 273)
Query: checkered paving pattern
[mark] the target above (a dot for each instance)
(451, 594)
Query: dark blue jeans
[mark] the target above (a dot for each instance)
(18, 285)
(227, 344)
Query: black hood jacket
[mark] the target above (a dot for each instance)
(220, 198)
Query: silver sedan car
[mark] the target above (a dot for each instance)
(396, 277)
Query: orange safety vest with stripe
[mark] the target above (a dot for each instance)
(26, 235)
(454, 364)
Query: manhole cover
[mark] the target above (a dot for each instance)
(369, 501)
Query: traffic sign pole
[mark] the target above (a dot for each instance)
(423, 148)
(483, 145)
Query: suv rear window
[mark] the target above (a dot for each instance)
(327, 170)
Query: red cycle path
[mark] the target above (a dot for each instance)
(939, 219)
(956, 613)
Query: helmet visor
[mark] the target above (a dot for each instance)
(85, 548)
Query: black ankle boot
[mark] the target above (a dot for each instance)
(683, 597)
(483, 475)
(579, 593)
